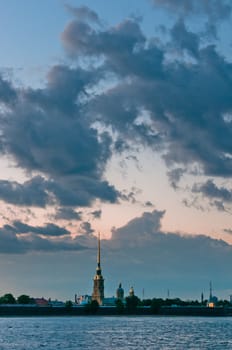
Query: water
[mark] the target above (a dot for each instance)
(69, 333)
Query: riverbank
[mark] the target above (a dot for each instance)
(31, 310)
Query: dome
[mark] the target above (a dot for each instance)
(131, 292)
(120, 292)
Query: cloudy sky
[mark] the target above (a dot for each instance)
(116, 117)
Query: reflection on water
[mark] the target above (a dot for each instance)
(69, 333)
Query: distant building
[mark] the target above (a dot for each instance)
(41, 301)
(131, 292)
(120, 292)
(98, 281)
(109, 301)
(202, 298)
(212, 299)
(56, 303)
(82, 299)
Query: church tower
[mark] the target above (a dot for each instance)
(98, 281)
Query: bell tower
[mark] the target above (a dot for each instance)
(98, 281)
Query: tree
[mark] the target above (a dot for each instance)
(92, 307)
(68, 304)
(131, 303)
(119, 306)
(24, 299)
(7, 299)
(155, 305)
(146, 302)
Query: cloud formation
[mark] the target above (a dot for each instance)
(138, 253)
(57, 142)
(174, 97)
(67, 213)
(30, 193)
(214, 9)
(209, 189)
(143, 252)
(179, 104)
(219, 197)
(20, 238)
(48, 230)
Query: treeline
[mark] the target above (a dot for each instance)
(129, 304)
(10, 299)
(132, 303)
(158, 302)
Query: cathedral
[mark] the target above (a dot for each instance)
(98, 281)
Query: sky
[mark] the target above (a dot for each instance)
(116, 118)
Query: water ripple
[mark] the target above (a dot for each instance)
(127, 333)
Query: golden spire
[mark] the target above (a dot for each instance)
(99, 251)
(98, 281)
(98, 270)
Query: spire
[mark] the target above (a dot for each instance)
(98, 281)
(98, 269)
(210, 291)
(99, 251)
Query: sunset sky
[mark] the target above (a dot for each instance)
(116, 117)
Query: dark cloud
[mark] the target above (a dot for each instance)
(139, 230)
(79, 34)
(184, 39)
(81, 191)
(30, 193)
(115, 45)
(218, 197)
(39, 192)
(185, 102)
(10, 244)
(211, 190)
(66, 213)
(55, 141)
(175, 176)
(96, 214)
(58, 141)
(49, 229)
(7, 92)
(85, 228)
(143, 252)
(214, 9)
(49, 238)
(148, 204)
(178, 106)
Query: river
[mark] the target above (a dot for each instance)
(69, 333)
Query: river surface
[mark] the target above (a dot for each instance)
(69, 333)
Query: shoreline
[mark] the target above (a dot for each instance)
(34, 311)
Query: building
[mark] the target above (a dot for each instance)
(109, 301)
(212, 302)
(82, 299)
(131, 292)
(98, 281)
(56, 303)
(120, 292)
(41, 301)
